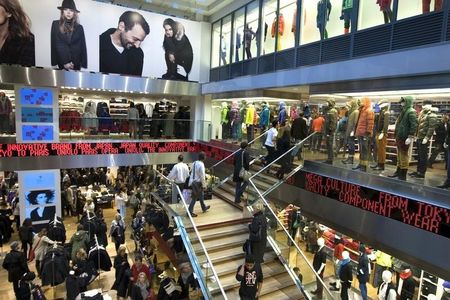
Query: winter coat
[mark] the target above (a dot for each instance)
(427, 123)
(250, 115)
(74, 285)
(441, 133)
(299, 129)
(122, 281)
(331, 120)
(26, 234)
(383, 121)
(345, 273)
(259, 247)
(408, 287)
(40, 244)
(353, 114)
(406, 124)
(282, 113)
(54, 267)
(238, 164)
(366, 119)
(67, 48)
(80, 240)
(363, 269)
(15, 263)
(264, 117)
(224, 115)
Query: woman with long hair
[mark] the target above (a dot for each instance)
(16, 39)
(68, 44)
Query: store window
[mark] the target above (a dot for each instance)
(288, 14)
(251, 32)
(324, 19)
(373, 13)
(238, 27)
(215, 45)
(225, 41)
(270, 21)
(409, 8)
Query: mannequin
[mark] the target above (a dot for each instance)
(364, 129)
(346, 14)
(387, 289)
(264, 117)
(406, 285)
(323, 15)
(5, 111)
(383, 261)
(405, 129)
(345, 274)
(353, 114)
(426, 5)
(224, 120)
(249, 35)
(330, 128)
(319, 263)
(425, 129)
(363, 271)
(235, 120)
(237, 47)
(243, 112)
(446, 184)
(223, 50)
(381, 134)
(280, 30)
(282, 113)
(249, 121)
(385, 7)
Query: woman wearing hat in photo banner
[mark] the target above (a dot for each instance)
(68, 44)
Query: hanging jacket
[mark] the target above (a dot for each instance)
(80, 240)
(406, 123)
(100, 258)
(74, 286)
(366, 119)
(280, 25)
(54, 267)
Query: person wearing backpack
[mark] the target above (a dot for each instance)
(258, 234)
(386, 291)
(241, 160)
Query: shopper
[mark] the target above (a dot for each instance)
(15, 263)
(197, 182)
(363, 271)
(121, 202)
(299, 132)
(271, 138)
(179, 174)
(137, 225)
(133, 118)
(139, 267)
(251, 277)
(123, 274)
(258, 233)
(26, 235)
(117, 231)
(79, 240)
(141, 290)
(40, 245)
(187, 280)
(317, 127)
(89, 206)
(283, 145)
(241, 160)
(338, 249)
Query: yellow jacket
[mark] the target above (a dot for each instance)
(250, 115)
(383, 259)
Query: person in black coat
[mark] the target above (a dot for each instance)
(241, 159)
(15, 263)
(258, 233)
(363, 271)
(441, 130)
(299, 131)
(68, 44)
(26, 235)
(26, 286)
(122, 281)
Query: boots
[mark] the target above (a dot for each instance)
(380, 167)
(402, 174)
(446, 185)
(396, 173)
(348, 161)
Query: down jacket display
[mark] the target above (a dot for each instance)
(427, 124)
(406, 124)
(366, 119)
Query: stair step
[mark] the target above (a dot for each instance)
(225, 255)
(236, 240)
(290, 292)
(231, 265)
(212, 233)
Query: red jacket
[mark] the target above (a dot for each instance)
(135, 272)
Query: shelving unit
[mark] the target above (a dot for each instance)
(430, 284)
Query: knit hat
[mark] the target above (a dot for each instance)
(70, 4)
(249, 259)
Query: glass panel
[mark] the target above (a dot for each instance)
(204, 130)
(269, 22)
(238, 27)
(251, 31)
(325, 19)
(288, 11)
(373, 14)
(215, 48)
(409, 8)
(225, 41)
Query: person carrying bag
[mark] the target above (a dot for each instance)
(197, 182)
(241, 175)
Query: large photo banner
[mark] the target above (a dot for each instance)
(100, 37)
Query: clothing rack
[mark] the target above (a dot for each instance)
(98, 254)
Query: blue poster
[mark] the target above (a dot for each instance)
(38, 180)
(37, 115)
(37, 133)
(33, 96)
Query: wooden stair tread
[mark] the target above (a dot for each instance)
(232, 264)
(224, 242)
(290, 292)
(225, 230)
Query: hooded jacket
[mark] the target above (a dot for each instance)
(80, 240)
(363, 268)
(383, 120)
(282, 113)
(331, 118)
(250, 114)
(224, 113)
(427, 123)
(406, 124)
(264, 117)
(353, 114)
(366, 119)
(15, 263)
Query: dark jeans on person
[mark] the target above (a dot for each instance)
(344, 291)
(240, 189)
(250, 133)
(319, 286)
(270, 154)
(316, 142)
(363, 290)
(248, 52)
(202, 202)
(422, 156)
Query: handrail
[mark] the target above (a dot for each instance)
(266, 204)
(197, 233)
(251, 142)
(292, 148)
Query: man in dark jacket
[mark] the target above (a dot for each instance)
(241, 160)
(441, 130)
(120, 50)
(299, 131)
(16, 264)
(251, 277)
(363, 272)
(258, 233)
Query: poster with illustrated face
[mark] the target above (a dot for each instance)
(72, 35)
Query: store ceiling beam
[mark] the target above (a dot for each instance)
(260, 93)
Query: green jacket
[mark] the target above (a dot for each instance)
(224, 115)
(80, 240)
(347, 4)
(331, 118)
(353, 114)
(406, 124)
(427, 124)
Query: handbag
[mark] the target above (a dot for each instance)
(32, 253)
(243, 173)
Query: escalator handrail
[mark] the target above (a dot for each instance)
(234, 152)
(282, 155)
(266, 204)
(216, 277)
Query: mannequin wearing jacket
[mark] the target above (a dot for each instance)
(353, 114)
(406, 285)
(243, 112)
(405, 129)
(364, 129)
(425, 129)
(323, 15)
(330, 128)
(280, 30)
(264, 117)
(387, 289)
(319, 263)
(5, 111)
(363, 271)
(249, 121)
(235, 119)
(346, 14)
(381, 134)
(345, 274)
(282, 115)
(224, 115)
(385, 7)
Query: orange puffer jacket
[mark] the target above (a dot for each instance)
(366, 119)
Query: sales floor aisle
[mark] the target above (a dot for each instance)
(104, 281)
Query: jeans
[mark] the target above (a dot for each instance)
(316, 141)
(344, 291)
(297, 151)
(202, 202)
(122, 209)
(422, 159)
(363, 150)
(235, 130)
(240, 189)
(363, 290)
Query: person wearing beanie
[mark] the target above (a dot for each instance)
(250, 276)
(15, 263)
(241, 161)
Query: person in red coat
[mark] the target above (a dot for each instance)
(139, 267)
